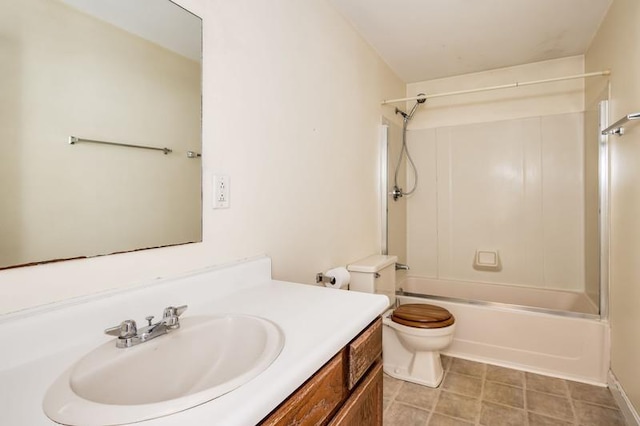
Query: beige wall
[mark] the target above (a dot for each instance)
(71, 74)
(292, 114)
(295, 119)
(616, 46)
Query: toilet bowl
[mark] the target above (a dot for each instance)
(413, 334)
(412, 352)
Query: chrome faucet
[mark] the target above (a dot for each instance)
(128, 334)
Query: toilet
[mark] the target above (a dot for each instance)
(413, 334)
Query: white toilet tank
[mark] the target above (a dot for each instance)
(375, 274)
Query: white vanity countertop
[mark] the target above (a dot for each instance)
(317, 322)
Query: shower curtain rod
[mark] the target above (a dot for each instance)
(503, 86)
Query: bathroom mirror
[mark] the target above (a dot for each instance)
(118, 71)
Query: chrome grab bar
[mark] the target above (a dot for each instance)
(74, 140)
(617, 128)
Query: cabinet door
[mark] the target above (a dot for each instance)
(314, 402)
(363, 351)
(364, 406)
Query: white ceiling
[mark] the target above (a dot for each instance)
(428, 39)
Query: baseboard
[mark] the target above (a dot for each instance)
(630, 414)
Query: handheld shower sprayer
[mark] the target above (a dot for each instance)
(406, 117)
(409, 116)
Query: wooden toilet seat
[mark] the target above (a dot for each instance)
(421, 315)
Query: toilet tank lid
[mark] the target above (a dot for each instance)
(372, 264)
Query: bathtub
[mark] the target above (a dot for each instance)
(523, 328)
(539, 299)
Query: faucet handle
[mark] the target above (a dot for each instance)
(172, 311)
(126, 330)
(171, 314)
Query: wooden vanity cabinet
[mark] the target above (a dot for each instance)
(364, 406)
(346, 391)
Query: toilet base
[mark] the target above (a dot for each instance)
(423, 367)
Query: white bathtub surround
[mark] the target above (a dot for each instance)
(560, 346)
(515, 187)
(317, 322)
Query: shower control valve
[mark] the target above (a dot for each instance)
(396, 193)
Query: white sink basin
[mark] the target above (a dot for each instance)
(205, 358)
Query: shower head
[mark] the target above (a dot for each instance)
(415, 107)
(409, 116)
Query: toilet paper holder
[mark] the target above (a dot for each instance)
(322, 278)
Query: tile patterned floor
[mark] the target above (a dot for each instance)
(473, 393)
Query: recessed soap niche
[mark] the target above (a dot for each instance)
(487, 260)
